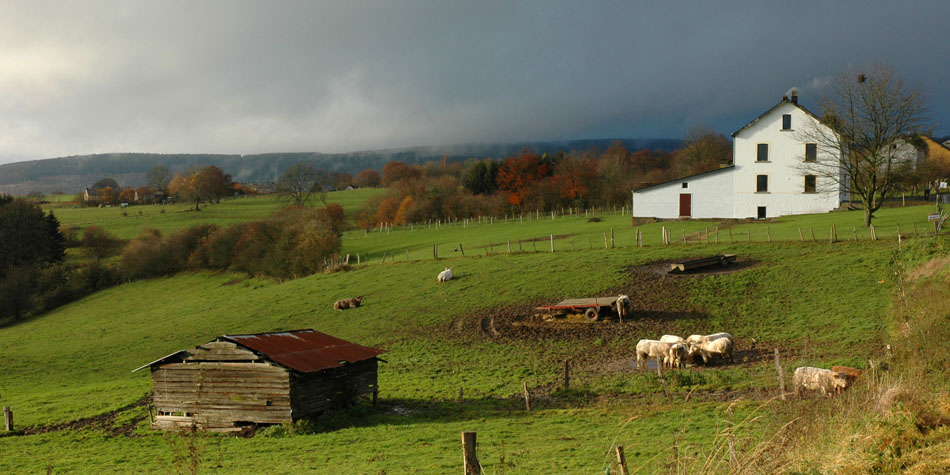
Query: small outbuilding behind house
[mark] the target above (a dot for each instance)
(264, 378)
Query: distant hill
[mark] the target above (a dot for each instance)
(71, 174)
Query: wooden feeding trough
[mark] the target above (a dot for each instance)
(592, 307)
(721, 260)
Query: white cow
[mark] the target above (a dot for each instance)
(710, 348)
(697, 339)
(446, 275)
(823, 381)
(658, 350)
(623, 306)
(678, 355)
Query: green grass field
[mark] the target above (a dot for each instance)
(819, 303)
(126, 223)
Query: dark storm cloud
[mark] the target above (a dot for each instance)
(245, 77)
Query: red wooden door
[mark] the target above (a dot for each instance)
(685, 207)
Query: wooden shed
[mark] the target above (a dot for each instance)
(264, 378)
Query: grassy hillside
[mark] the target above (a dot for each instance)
(129, 222)
(818, 303)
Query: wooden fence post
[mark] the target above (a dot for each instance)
(435, 251)
(462, 249)
(812, 231)
(469, 454)
(768, 233)
(873, 234)
(831, 234)
(622, 461)
(781, 375)
(611, 238)
(748, 235)
(567, 375)
(659, 373)
(552, 243)
(509, 246)
(527, 398)
(717, 233)
(7, 418)
(800, 235)
(915, 228)
(605, 240)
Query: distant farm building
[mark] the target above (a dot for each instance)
(264, 378)
(766, 179)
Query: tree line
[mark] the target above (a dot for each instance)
(527, 181)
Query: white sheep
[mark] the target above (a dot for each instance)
(446, 275)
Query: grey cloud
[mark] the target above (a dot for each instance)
(247, 77)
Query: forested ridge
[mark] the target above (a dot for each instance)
(71, 174)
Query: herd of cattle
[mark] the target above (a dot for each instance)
(672, 351)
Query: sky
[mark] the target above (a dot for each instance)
(242, 77)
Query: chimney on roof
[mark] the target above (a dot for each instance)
(791, 95)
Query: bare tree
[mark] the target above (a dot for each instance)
(159, 177)
(867, 115)
(299, 182)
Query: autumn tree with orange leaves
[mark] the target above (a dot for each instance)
(574, 175)
(200, 184)
(518, 174)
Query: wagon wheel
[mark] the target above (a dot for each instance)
(723, 262)
(592, 314)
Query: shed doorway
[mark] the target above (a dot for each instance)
(685, 205)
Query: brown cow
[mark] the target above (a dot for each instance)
(344, 304)
(849, 373)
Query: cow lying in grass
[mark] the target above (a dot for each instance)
(344, 304)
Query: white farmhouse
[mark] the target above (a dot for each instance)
(768, 177)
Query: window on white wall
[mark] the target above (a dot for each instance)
(685, 185)
(811, 182)
(786, 121)
(811, 152)
(762, 152)
(761, 183)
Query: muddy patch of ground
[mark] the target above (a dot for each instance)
(659, 305)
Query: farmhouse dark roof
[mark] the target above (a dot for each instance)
(710, 172)
(304, 350)
(784, 101)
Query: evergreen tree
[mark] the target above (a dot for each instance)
(57, 242)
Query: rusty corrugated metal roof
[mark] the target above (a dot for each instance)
(305, 350)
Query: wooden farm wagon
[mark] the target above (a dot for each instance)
(264, 378)
(593, 308)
